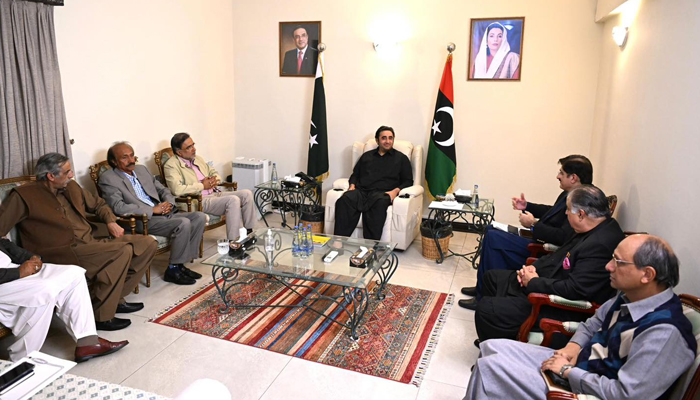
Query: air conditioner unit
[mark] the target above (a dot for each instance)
(249, 172)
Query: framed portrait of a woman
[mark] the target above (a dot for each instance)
(496, 49)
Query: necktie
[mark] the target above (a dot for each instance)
(299, 59)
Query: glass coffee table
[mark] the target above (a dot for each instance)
(286, 199)
(297, 274)
(478, 217)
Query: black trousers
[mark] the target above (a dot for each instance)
(504, 308)
(372, 206)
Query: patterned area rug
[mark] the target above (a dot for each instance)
(397, 335)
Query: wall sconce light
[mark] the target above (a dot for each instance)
(381, 47)
(619, 34)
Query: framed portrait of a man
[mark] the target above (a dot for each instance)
(299, 48)
(496, 49)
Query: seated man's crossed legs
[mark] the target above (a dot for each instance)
(238, 207)
(500, 251)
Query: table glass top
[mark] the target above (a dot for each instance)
(485, 207)
(277, 186)
(337, 272)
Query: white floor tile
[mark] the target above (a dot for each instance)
(146, 340)
(432, 390)
(308, 380)
(246, 371)
(455, 354)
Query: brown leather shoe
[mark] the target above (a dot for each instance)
(84, 353)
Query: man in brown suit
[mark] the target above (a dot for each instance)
(51, 217)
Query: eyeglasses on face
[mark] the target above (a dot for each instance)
(619, 262)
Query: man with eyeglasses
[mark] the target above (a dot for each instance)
(303, 59)
(576, 271)
(635, 346)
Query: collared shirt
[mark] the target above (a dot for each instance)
(656, 357)
(374, 172)
(200, 176)
(140, 193)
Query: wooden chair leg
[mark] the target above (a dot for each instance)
(201, 248)
(148, 276)
(136, 289)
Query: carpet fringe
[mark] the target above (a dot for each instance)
(182, 300)
(429, 350)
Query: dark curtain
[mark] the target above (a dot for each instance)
(32, 115)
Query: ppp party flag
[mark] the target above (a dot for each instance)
(441, 165)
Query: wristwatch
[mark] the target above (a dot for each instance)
(564, 368)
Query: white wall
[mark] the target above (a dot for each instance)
(509, 134)
(645, 142)
(143, 70)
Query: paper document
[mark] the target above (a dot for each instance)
(47, 369)
(443, 206)
(523, 232)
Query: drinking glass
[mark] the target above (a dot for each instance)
(222, 246)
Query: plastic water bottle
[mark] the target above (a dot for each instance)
(273, 174)
(269, 246)
(304, 243)
(309, 242)
(296, 242)
(475, 196)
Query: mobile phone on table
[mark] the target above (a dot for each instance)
(14, 376)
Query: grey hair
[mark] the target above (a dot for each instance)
(50, 163)
(591, 200)
(657, 254)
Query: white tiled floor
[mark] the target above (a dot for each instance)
(165, 360)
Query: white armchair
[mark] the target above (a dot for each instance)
(404, 216)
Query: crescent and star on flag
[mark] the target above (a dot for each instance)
(312, 138)
(436, 126)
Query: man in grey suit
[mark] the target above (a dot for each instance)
(129, 188)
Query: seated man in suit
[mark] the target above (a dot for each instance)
(576, 271)
(188, 173)
(503, 250)
(376, 180)
(50, 215)
(129, 188)
(635, 346)
(30, 291)
(303, 59)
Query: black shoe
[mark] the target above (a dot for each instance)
(189, 272)
(113, 324)
(129, 307)
(174, 275)
(469, 304)
(469, 291)
(477, 342)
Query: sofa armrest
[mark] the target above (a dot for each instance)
(412, 191)
(342, 183)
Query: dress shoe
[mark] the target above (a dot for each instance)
(189, 272)
(113, 324)
(124, 308)
(469, 291)
(84, 353)
(469, 304)
(174, 275)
